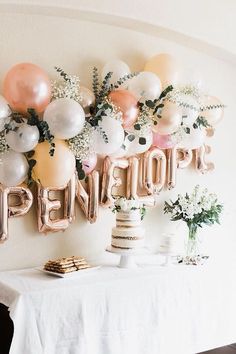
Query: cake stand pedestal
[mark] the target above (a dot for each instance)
(127, 259)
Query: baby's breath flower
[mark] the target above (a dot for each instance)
(3, 144)
(112, 111)
(69, 88)
(81, 145)
(181, 96)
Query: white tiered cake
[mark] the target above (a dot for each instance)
(128, 234)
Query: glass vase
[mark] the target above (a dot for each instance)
(192, 242)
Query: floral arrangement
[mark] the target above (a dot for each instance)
(196, 209)
(123, 204)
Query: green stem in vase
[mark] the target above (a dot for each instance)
(192, 243)
(192, 231)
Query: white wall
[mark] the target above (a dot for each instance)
(77, 41)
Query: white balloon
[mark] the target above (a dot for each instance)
(24, 139)
(114, 132)
(4, 111)
(145, 85)
(118, 69)
(65, 118)
(13, 168)
(134, 146)
(193, 140)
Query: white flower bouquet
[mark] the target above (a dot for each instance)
(196, 209)
(123, 204)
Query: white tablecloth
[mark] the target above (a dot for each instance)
(148, 310)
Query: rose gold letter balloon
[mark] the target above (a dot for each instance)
(27, 86)
(20, 209)
(126, 102)
(109, 180)
(171, 164)
(200, 161)
(156, 185)
(135, 180)
(46, 205)
(88, 199)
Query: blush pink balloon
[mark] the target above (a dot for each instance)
(89, 164)
(27, 86)
(163, 141)
(127, 103)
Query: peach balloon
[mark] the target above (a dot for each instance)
(27, 86)
(171, 117)
(165, 67)
(53, 171)
(213, 116)
(127, 103)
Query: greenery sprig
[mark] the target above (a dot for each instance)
(3, 144)
(155, 106)
(32, 162)
(80, 170)
(68, 87)
(101, 91)
(201, 122)
(44, 131)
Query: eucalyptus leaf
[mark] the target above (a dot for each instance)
(131, 137)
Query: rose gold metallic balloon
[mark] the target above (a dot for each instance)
(171, 163)
(109, 180)
(134, 184)
(89, 199)
(184, 157)
(46, 205)
(27, 86)
(156, 185)
(20, 209)
(127, 103)
(200, 162)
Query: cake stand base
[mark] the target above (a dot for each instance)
(127, 259)
(168, 260)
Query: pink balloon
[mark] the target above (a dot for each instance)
(27, 86)
(163, 141)
(127, 103)
(89, 164)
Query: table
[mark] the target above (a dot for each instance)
(147, 310)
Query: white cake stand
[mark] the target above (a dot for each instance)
(127, 259)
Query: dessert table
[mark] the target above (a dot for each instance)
(146, 310)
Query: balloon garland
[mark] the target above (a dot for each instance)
(54, 133)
